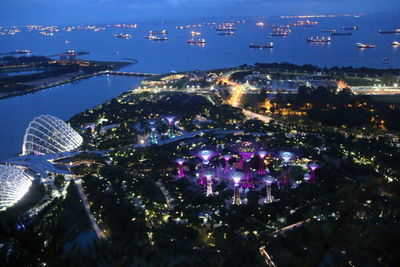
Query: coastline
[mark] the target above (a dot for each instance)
(63, 79)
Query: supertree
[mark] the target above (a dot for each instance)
(269, 180)
(205, 154)
(227, 157)
(246, 151)
(209, 175)
(262, 154)
(313, 166)
(286, 156)
(180, 162)
(153, 135)
(170, 120)
(236, 177)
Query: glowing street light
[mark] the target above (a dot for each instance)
(236, 176)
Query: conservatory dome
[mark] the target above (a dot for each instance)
(48, 134)
(14, 183)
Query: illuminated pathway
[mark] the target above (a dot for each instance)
(86, 206)
(236, 98)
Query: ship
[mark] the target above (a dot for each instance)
(397, 31)
(195, 33)
(226, 33)
(150, 37)
(362, 46)
(225, 28)
(352, 28)
(341, 33)
(329, 31)
(395, 43)
(279, 33)
(269, 45)
(160, 39)
(159, 32)
(198, 41)
(21, 52)
(323, 39)
(122, 35)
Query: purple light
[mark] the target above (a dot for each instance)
(205, 155)
(170, 120)
(262, 154)
(236, 176)
(313, 166)
(286, 156)
(269, 180)
(209, 174)
(180, 162)
(227, 157)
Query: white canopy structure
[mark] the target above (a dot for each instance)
(48, 134)
(14, 183)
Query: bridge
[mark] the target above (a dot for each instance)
(125, 73)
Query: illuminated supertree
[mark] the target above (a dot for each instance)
(269, 180)
(227, 169)
(286, 157)
(247, 151)
(236, 176)
(180, 162)
(170, 119)
(262, 154)
(313, 166)
(205, 154)
(209, 175)
(153, 135)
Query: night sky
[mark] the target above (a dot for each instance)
(20, 12)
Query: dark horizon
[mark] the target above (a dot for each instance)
(28, 12)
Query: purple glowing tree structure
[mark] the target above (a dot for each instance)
(170, 119)
(209, 175)
(236, 177)
(205, 155)
(247, 151)
(269, 180)
(227, 157)
(262, 154)
(286, 156)
(313, 166)
(180, 162)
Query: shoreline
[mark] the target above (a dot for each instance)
(63, 79)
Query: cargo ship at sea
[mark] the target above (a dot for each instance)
(341, 33)
(397, 31)
(329, 31)
(395, 43)
(317, 39)
(352, 28)
(224, 28)
(198, 41)
(159, 32)
(226, 33)
(269, 45)
(280, 32)
(122, 35)
(362, 46)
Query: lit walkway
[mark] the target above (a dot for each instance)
(86, 206)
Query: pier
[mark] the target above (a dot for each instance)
(124, 73)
